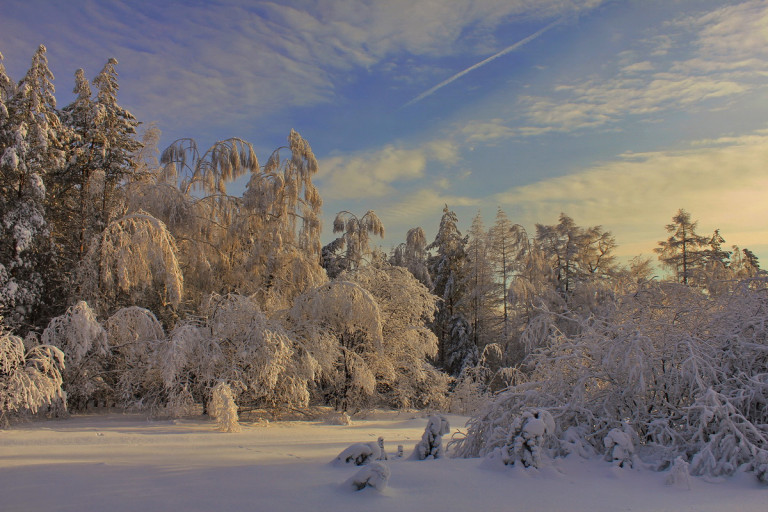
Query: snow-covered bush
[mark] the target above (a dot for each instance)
(84, 342)
(133, 334)
(28, 381)
(362, 453)
(620, 446)
(223, 408)
(404, 376)
(525, 442)
(431, 444)
(375, 475)
(679, 475)
(684, 369)
(256, 354)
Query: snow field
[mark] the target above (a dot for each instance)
(124, 462)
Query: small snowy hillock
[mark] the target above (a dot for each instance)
(121, 462)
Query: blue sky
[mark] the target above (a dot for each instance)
(615, 112)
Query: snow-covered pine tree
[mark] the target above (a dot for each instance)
(115, 141)
(31, 151)
(448, 270)
(685, 250)
(479, 302)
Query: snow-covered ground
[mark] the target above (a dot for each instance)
(120, 462)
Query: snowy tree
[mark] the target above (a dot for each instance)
(115, 140)
(340, 325)
(31, 150)
(479, 303)
(404, 376)
(447, 268)
(525, 439)
(255, 355)
(84, 343)
(133, 334)
(355, 238)
(504, 242)
(685, 250)
(29, 380)
(682, 368)
(223, 408)
(413, 255)
(431, 444)
(133, 262)
(281, 198)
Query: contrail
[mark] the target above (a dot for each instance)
(483, 62)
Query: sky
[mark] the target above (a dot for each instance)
(617, 113)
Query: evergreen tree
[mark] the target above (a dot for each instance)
(115, 139)
(448, 271)
(31, 151)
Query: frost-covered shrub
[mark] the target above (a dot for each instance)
(469, 395)
(84, 342)
(255, 354)
(761, 466)
(431, 444)
(620, 446)
(375, 475)
(723, 439)
(223, 408)
(684, 369)
(525, 442)
(679, 475)
(362, 453)
(133, 334)
(28, 381)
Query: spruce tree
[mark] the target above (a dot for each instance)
(31, 152)
(448, 270)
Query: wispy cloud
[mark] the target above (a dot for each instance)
(720, 182)
(718, 55)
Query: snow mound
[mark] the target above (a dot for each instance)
(375, 475)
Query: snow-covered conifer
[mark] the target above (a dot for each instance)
(223, 408)
(431, 444)
(620, 446)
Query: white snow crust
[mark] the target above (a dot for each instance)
(126, 462)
